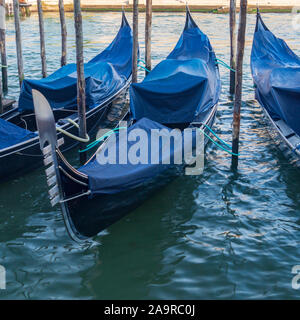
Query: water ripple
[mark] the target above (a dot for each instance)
(221, 235)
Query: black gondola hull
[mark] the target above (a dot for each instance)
(86, 216)
(25, 157)
(282, 142)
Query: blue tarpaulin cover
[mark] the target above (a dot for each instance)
(184, 85)
(10, 134)
(187, 82)
(108, 178)
(276, 73)
(105, 74)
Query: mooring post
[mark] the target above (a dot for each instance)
(42, 38)
(18, 41)
(232, 44)
(135, 40)
(239, 82)
(3, 46)
(148, 30)
(80, 78)
(63, 33)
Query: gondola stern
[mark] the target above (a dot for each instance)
(260, 25)
(124, 22)
(189, 22)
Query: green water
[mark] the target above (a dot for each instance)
(220, 235)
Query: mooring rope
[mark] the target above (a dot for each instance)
(140, 60)
(72, 136)
(212, 131)
(224, 64)
(218, 145)
(109, 133)
(142, 67)
(106, 135)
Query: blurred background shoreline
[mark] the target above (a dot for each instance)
(211, 6)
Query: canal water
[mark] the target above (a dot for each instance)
(222, 235)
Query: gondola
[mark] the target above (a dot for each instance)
(276, 74)
(181, 92)
(108, 76)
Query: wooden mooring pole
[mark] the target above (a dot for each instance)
(63, 60)
(148, 29)
(81, 103)
(42, 38)
(18, 41)
(232, 44)
(135, 41)
(3, 46)
(239, 82)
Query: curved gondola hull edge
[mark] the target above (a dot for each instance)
(87, 216)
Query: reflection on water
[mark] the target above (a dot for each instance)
(219, 235)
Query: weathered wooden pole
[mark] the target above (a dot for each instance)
(148, 30)
(135, 40)
(239, 82)
(3, 46)
(80, 77)
(63, 61)
(18, 41)
(232, 44)
(42, 38)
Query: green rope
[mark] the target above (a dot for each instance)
(224, 64)
(3, 66)
(143, 68)
(96, 142)
(218, 145)
(212, 131)
(109, 133)
(140, 60)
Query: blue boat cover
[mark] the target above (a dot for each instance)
(184, 85)
(276, 73)
(10, 134)
(109, 178)
(105, 74)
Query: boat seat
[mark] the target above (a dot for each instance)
(284, 128)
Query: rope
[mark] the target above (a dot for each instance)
(96, 142)
(143, 68)
(212, 131)
(109, 133)
(76, 197)
(140, 60)
(218, 145)
(70, 135)
(224, 64)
